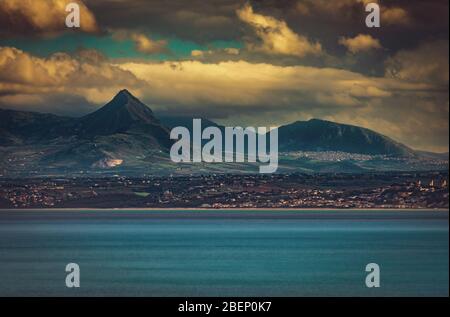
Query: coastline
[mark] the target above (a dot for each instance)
(227, 209)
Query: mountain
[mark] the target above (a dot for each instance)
(126, 137)
(319, 135)
(123, 114)
(123, 131)
(20, 127)
(185, 121)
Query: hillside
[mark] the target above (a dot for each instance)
(320, 135)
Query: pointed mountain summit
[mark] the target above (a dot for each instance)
(127, 105)
(122, 132)
(126, 136)
(122, 113)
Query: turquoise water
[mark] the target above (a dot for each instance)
(137, 253)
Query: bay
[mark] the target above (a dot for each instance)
(224, 253)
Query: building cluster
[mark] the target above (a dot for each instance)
(382, 190)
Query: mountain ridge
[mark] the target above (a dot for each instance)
(322, 135)
(125, 133)
(126, 114)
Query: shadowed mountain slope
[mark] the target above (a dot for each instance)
(320, 135)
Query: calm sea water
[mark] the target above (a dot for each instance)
(137, 253)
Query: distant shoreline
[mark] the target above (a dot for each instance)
(226, 209)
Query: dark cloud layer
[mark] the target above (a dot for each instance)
(321, 21)
(200, 20)
(195, 20)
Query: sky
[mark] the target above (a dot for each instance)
(237, 62)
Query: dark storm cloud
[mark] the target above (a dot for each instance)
(201, 20)
(321, 21)
(195, 20)
(68, 105)
(204, 21)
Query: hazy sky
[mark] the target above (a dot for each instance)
(265, 62)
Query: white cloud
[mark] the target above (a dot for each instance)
(232, 51)
(249, 85)
(42, 16)
(200, 54)
(148, 46)
(276, 36)
(86, 74)
(395, 16)
(360, 43)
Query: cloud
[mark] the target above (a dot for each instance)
(202, 21)
(197, 53)
(232, 51)
(148, 46)
(194, 20)
(249, 85)
(200, 53)
(235, 92)
(360, 43)
(86, 74)
(215, 53)
(395, 16)
(426, 63)
(68, 105)
(142, 42)
(391, 15)
(43, 17)
(276, 36)
(307, 7)
(239, 92)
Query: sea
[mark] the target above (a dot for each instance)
(151, 253)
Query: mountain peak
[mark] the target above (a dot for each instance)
(124, 97)
(122, 113)
(124, 93)
(126, 103)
